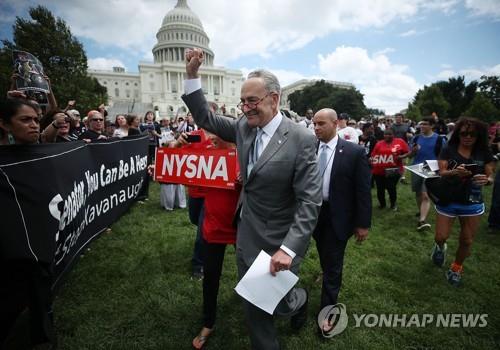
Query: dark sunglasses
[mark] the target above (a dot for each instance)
(97, 120)
(468, 133)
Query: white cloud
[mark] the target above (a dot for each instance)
(385, 85)
(446, 6)
(285, 77)
(471, 73)
(488, 8)
(238, 28)
(411, 32)
(256, 27)
(102, 63)
(385, 51)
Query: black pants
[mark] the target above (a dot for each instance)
(196, 214)
(212, 270)
(331, 257)
(386, 183)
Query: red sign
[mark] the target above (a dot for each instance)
(197, 167)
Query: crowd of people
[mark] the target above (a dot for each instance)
(292, 174)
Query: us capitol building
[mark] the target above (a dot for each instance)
(159, 85)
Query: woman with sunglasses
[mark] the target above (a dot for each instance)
(468, 162)
(95, 130)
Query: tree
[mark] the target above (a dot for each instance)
(457, 94)
(427, 100)
(413, 112)
(483, 108)
(490, 87)
(62, 55)
(375, 111)
(324, 95)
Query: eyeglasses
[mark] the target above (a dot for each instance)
(251, 104)
(468, 133)
(97, 120)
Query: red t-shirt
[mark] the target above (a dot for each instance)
(220, 206)
(384, 155)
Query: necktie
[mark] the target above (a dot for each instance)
(257, 146)
(322, 159)
(256, 150)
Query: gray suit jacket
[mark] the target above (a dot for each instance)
(281, 197)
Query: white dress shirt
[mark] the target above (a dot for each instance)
(330, 149)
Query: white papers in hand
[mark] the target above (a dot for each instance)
(261, 288)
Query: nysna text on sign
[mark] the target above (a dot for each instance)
(194, 166)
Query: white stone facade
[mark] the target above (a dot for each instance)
(160, 84)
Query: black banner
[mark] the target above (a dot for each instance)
(55, 199)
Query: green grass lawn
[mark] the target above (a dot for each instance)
(132, 290)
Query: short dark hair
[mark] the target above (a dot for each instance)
(366, 126)
(429, 120)
(11, 106)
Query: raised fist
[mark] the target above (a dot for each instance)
(194, 59)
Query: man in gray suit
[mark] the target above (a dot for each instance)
(281, 196)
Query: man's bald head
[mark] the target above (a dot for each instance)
(325, 124)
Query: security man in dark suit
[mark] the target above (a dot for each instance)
(346, 208)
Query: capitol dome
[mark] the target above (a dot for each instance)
(181, 29)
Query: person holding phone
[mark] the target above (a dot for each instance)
(468, 158)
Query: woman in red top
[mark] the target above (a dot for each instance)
(387, 166)
(218, 231)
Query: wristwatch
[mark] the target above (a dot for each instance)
(54, 125)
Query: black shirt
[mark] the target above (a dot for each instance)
(89, 134)
(450, 154)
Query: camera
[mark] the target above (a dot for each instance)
(193, 138)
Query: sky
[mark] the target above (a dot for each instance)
(387, 48)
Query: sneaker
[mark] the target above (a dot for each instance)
(394, 208)
(438, 255)
(423, 225)
(197, 274)
(453, 277)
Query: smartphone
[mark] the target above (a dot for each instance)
(193, 138)
(473, 168)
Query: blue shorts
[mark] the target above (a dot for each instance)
(453, 210)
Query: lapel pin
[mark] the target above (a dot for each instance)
(279, 142)
(340, 150)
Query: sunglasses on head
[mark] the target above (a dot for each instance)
(468, 133)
